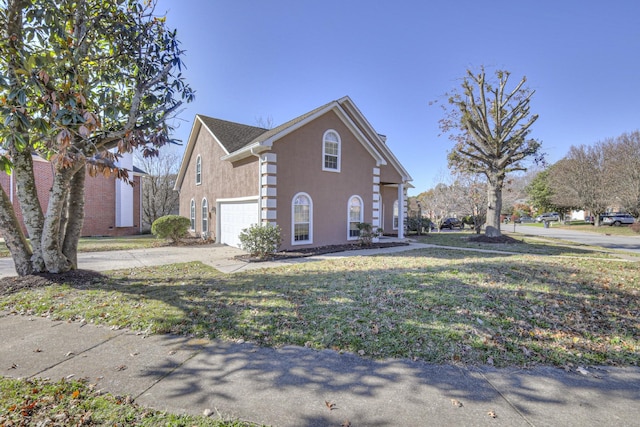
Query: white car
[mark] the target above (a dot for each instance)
(617, 219)
(549, 216)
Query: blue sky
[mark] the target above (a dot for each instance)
(277, 59)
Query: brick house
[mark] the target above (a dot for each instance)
(315, 176)
(112, 207)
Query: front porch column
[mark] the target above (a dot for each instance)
(401, 211)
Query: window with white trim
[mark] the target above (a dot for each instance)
(331, 151)
(205, 216)
(395, 215)
(198, 170)
(192, 214)
(301, 219)
(356, 215)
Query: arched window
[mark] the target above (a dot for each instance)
(301, 219)
(395, 215)
(331, 151)
(198, 170)
(205, 216)
(356, 215)
(192, 214)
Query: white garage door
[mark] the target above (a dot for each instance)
(235, 217)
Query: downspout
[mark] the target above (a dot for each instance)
(259, 183)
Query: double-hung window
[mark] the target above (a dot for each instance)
(192, 214)
(302, 219)
(355, 217)
(395, 215)
(205, 216)
(331, 151)
(198, 170)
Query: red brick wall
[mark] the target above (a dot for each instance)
(100, 208)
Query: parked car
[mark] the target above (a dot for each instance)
(523, 219)
(548, 216)
(452, 223)
(617, 219)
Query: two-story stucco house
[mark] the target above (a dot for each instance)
(316, 176)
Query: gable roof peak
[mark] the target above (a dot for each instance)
(233, 136)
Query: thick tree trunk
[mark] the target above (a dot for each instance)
(13, 236)
(29, 204)
(494, 205)
(75, 216)
(54, 258)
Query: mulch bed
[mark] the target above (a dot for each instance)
(481, 238)
(321, 250)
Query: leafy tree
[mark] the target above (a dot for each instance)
(489, 125)
(81, 82)
(541, 193)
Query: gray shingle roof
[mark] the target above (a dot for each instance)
(233, 136)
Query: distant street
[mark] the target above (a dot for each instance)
(623, 243)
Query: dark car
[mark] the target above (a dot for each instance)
(523, 219)
(452, 223)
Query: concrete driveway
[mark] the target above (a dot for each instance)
(623, 243)
(221, 257)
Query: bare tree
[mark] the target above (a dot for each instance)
(490, 125)
(580, 179)
(623, 171)
(158, 196)
(266, 123)
(473, 197)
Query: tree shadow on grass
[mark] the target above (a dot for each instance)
(451, 308)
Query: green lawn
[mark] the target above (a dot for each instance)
(436, 305)
(550, 304)
(75, 403)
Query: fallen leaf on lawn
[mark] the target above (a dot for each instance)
(75, 394)
(582, 371)
(456, 403)
(492, 414)
(330, 405)
(375, 329)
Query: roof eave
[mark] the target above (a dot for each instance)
(248, 151)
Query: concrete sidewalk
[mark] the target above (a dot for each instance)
(290, 386)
